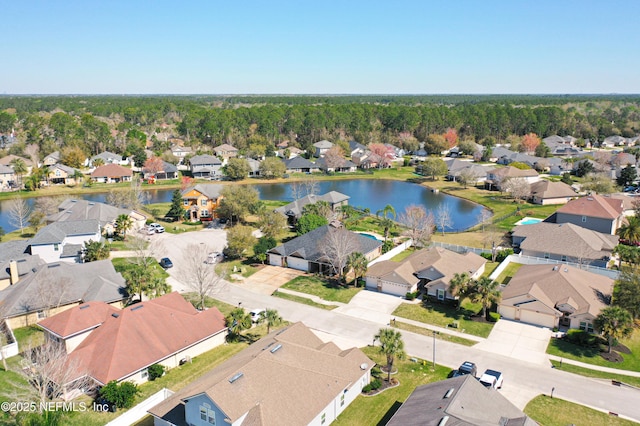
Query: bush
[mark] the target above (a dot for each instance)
(494, 316)
(582, 338)
(121, 395)
(500, 255)
(376, 372)
(411, 295)
(366, 388)
(375, 384)
(155, 371)
(386, 246)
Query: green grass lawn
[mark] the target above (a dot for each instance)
(558, 412)
(324, 288)
(508, 272)
(224, 308)
(372, 410)
(441, 336)
(489, 267)
(403, 255)
(29, 336)
(443, 315)
(239, 266)
(121, 264)
(587, 372)
(303, 300)
(564, 349)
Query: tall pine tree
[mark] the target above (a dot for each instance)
(176, 211)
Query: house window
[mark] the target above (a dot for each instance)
(203, 413)
(203, 202)
(563, 258)
(584, 218)
(204, 213)
(56, 247)
(212, 417)
(185, 202)
(586, 326)
(323, 418)
(207, 414)
(547, 256)
(342, 400)
(144, 373)
(41, 315)
(440, 294)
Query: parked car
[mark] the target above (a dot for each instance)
(466, 367)
(214, 257)
(492, 379)
(166, 263)
(255, 314)
(155, 227)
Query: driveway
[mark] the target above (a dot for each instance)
(371, 305)
(270, 278)
(518, 340)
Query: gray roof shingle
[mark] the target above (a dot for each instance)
(58, 231)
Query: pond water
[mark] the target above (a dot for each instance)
(364, 193)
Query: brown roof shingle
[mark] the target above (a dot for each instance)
(111, 171)
(594, 206)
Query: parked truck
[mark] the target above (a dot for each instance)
(492, 379)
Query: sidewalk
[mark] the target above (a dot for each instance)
(311, 297)
(442, 330)
(595, 367)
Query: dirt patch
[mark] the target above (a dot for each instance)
(621, 348)
(612, 357)
(385, 385)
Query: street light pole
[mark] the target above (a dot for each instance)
(434, 349)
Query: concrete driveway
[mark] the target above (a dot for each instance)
(270, 278)
(518, 340)
(371, 305)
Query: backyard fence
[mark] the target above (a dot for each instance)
(11, 348)
(391, 253)
(460, 249)
(530, 260)
(139, 411)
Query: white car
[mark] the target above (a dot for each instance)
(492, 379)
(155, 228)
(214, 257)
(255, 314)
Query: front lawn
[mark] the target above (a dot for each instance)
(378, 409)
(445, 315)
(587, 372)
(324, 288)
(565, 349)
(426, 332)
(558, 412)
(303, 300)
(243, 267)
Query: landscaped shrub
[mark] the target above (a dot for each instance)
(582, 338)
(376, 372)
(376, 384)
(155, 371)
(386, 246)
(494, 316)
(366, 388)
(121, 395)
(500, 255)
(411, 295)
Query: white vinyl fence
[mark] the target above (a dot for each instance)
(139, 411)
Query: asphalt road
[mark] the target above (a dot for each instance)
(523, 380)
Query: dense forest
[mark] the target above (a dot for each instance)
(96, 123)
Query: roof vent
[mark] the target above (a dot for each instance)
(449, 392)
(85, 306)
(137, 307)
(115, 315)
(566, 269)
(53, 265)
(276, 348)
(364, 366)
(443, 421)
(236, 377)
(555, 268)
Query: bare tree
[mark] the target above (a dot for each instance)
(443, 217)
(493, 238)
(337, 245)
(32, 151)
(468, 176)
(312, 187)
(130, 198)
(519, 188)
(49, 205)
(334, 157)
(485, 218)
(199, 276)
(420, 224)
(19, 212)
(52, 290)
(52, 373)
(145, 251)
(297, 189)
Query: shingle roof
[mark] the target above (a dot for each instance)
(63, 283)
(80, 318)
(546, 189)
(309, 246)
(299, 163)
(13, 250)
(512, 172)
(322, 163)
(25, 263)
(593, 206)
(210, 190)
(5, 170)
(205, 160)
(295, 208)
(111, 171)
(463, 399)
(225, 147)
(76, 210)
(58, 231)
(6, 160)
(323, 144)
(288, 378)
(553, 284)
(143, 334)
(577, 242)
(107, 156)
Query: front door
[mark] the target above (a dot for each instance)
(379, 286)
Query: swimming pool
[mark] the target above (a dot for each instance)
(528, 221)
(373, 237)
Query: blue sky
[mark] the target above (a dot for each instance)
(319, 47)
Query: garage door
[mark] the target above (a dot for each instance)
(299, 264)
(275, 260)
(537, 318)
(508, 312)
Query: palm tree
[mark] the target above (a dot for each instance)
(631, 231)
(614, 323)
(386, 222)
(123, 224)
(271, 317)
(77, 177)
(358, 263)
(459, 287)
(391, 345)
(237, 321)
(487, 292)
(20, 169)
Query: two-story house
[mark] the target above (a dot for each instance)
(201, 201)
(595, 212)
(206, 166)
(61, 174)
(64, 240)
(226, 151)
(322, 147)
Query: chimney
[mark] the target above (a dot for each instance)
(13, 272)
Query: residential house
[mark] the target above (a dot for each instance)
(308, 252)
(343, 166)
(496, 178)
(356, 148)
(289, 377)
(7, 160)
(108, 343)
(107, 157)
(16, 262)
(457, 168)
(322, 147)
(300, 165)
(547, 192)
(169, 171)
(59, 174)
(111, 173)
(293, 210)
(595, 212)
(627, 202)
(254, 167)
(397, 152)
(566, 242)
(180, 151)
(613, 141)
(226, 151)
(51, 159)
(431, 269)
(206, 166)
(55, 287)
(459, 401)
(7, 178)
(64, 241)
(201, 201)
(105, 214)
(555, 296)
(293, 152)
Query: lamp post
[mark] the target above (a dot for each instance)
(434, 349)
